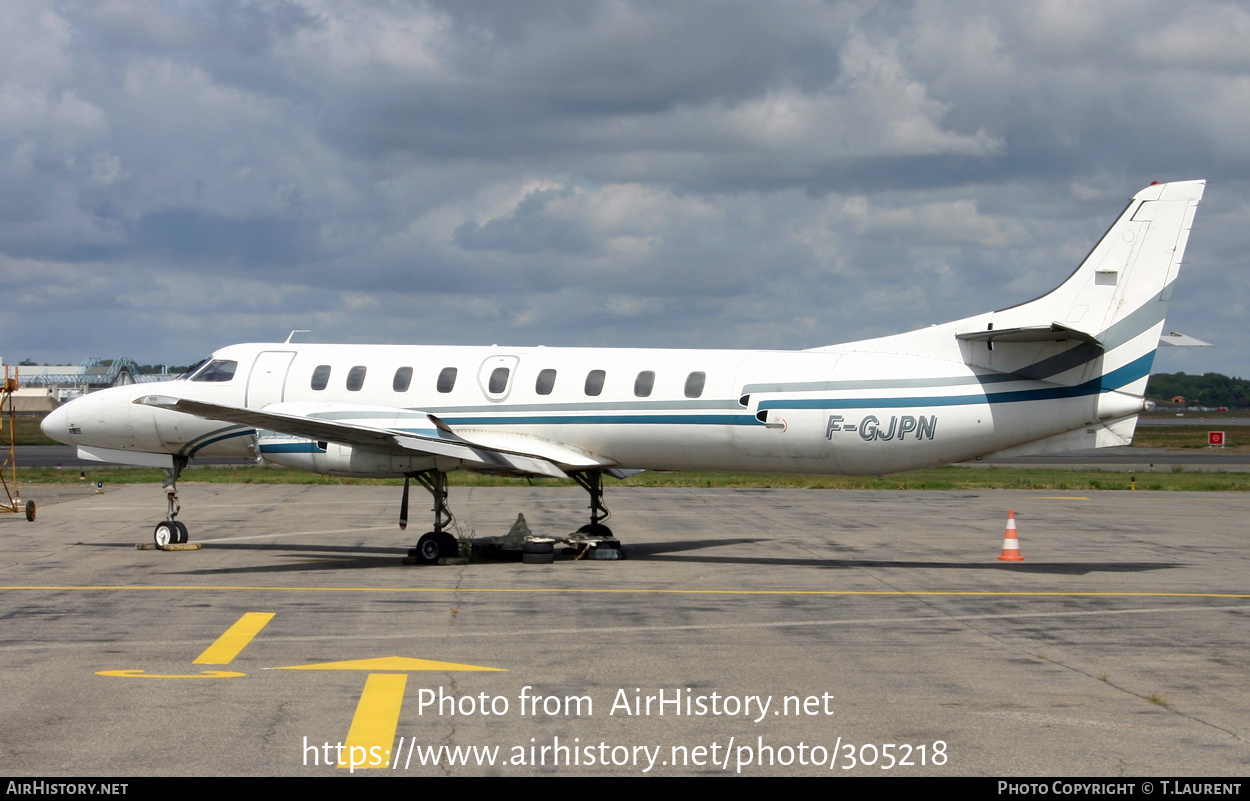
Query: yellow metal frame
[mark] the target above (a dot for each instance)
(8, 441)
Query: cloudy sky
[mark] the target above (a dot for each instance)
(178, 176)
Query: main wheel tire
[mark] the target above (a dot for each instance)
(30, 511)
(183, 534)
(596, 530)
(165, 534)
(450, 545)
(429, 548)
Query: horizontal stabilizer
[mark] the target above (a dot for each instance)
(1055, 332)
(1179, 340)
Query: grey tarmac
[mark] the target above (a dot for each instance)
(1118, 648)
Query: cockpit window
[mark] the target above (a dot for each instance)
(190, 371)
(218, 370)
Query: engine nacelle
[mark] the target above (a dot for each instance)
(333, 459)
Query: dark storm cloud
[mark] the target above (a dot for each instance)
(743, 174)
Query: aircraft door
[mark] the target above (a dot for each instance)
(266, 383)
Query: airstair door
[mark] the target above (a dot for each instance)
(266, 383)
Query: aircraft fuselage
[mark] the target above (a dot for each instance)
(824, 412)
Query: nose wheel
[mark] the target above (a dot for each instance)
(169, 532)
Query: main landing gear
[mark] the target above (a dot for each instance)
(592, 482)
(171, 531)
(593, 540)
(439, 543)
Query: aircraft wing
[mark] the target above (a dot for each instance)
(422, 433)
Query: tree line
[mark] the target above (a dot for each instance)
(1208, 389)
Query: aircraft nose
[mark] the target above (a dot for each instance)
(56, 425)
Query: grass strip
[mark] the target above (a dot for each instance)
(956, 477)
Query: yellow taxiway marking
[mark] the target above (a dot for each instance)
(390, 663)
(372, 734)
(625, 591)
(236, 638)
(139, 674)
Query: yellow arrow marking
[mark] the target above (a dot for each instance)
(139, 674)
(372, 733)
(390, 663)
(235, 639)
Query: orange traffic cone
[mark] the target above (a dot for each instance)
(1011, 544)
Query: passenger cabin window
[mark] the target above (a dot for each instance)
(594, 382)
(355, 378)
(218, 370)
(644, 383)
(402, 380)
(546, 382)
(694, 384)
(498, 380)
(447, 380)
(321, 377)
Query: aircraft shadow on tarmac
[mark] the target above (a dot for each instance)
(359, 557)
(665, 552)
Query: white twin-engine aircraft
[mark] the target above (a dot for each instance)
(1063, 372)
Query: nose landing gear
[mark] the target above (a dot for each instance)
(171, 531)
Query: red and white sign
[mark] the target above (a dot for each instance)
(1215, 438)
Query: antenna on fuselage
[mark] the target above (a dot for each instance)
(291, 335)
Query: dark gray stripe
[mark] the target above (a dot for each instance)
(1138, 321)
(1084, 353)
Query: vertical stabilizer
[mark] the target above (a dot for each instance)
(1108, 315)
